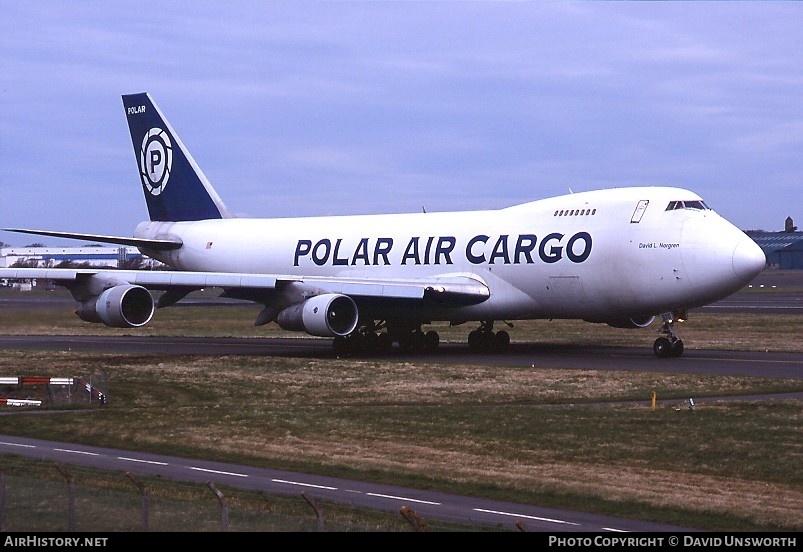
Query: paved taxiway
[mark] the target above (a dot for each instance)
(785, 365)
(428, 504)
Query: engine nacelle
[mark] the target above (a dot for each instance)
(631, 322)
(123, 306)
(327, 315)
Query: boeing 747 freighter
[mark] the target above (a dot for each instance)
(620, 256)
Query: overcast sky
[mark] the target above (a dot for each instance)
(318, 108)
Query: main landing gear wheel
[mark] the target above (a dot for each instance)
(369, 343)
(417, 341)
(670, 345)
(485, 340)
(369, 339)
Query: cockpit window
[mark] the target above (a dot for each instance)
(692, 204)
(695, 205)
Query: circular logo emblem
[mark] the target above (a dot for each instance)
(155, 160)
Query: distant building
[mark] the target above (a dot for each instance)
(51, 257)
(784, 250)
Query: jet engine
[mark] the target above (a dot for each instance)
(327, 315)
(122, 306)
(631, 322)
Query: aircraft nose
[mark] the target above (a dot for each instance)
(748, 260)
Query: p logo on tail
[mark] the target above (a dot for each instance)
(175, 187)
(155, 160)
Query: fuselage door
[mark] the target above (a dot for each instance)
(639, 212)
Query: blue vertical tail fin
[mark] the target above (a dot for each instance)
(175, 187)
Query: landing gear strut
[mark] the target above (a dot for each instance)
(670, 345)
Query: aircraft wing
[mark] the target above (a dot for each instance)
(451, 289)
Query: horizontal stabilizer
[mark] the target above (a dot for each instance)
(161, 245)
(151, 279)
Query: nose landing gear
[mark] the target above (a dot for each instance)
(670, 345)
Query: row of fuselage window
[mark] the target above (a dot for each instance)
(575, 212)
(700, 205)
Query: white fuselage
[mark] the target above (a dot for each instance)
(592, 255)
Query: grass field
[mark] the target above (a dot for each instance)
(578, 439)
